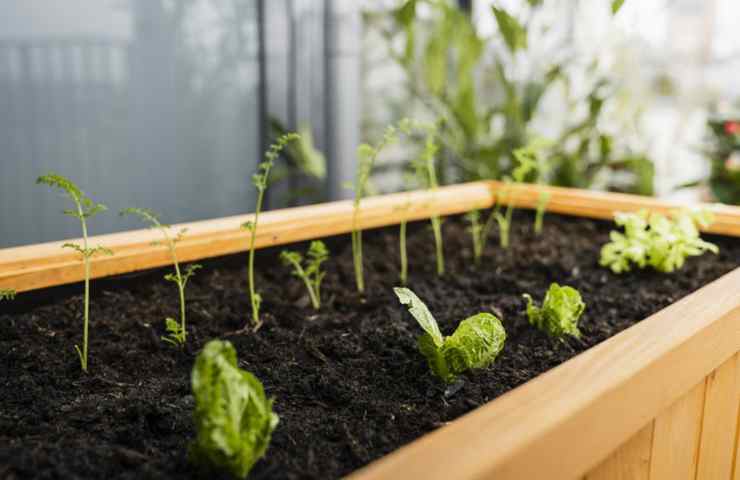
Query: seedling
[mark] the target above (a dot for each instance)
(475, 344)
(84, 208)
(367, 155)
(7, 294)
(476, 233)
(426, 175)
(542, 202)
(234, 420)
(311, 274)
(177, 332)
(560, 311)
(652, 239)
(260, 181)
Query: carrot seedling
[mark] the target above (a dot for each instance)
(233, 417)
(177, 332)
(558, 316)
(260, 181)
(367, 155)
(475, 344)
(311, 274)
(7, 294)
(84, 208)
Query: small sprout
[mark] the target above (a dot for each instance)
(367, 155)
(404, 274)
(7, 294)
(475, 344)
(652, 239)
(542, 202)
(84, 208)
(260, 181)
(560, 311)
(233, 418)
(311, 274)
(177, 332)
(476, 231)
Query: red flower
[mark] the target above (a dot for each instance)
(732, 128)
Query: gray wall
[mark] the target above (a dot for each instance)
(164, 104)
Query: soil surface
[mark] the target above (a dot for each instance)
(349, 383)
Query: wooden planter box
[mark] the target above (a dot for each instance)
(658, 401)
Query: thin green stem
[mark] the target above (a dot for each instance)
(315, 302)
(252, 294)
(437, 229)
(86, 260)
(404, 258)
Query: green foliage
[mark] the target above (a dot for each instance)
(476, 231)
(260, 181)
(652, 239)
(475, 344)
(84, 209)
(311, 274)
(7, 294)
(233, 417)
(722, 150)
(559, 313)
(448, 65)
(177, 332)
(367, 155)
(616, 5)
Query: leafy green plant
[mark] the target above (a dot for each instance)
(311, 274)
(233, 418)
(559, 313)
(475, 344)
(367, 156)
(655, 240)
(260, 181)
(7, 294)
(84, 208)
(177, 332)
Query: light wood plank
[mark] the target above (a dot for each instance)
(717, 447)
(631, 461)
(736, 466)
(560, 425)
(44, 265)
(676, 437)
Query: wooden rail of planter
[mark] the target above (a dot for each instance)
(657, 401)
(44, 265)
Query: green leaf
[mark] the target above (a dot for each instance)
(405, 16)
(515, 35)
(233, 417)
(616, 5)
(421, 313)
(7, 294)
(560, 311)
(476, 343)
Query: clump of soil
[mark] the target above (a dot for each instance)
(349, 383)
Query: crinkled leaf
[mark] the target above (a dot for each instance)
(233, 417)
(560, 311)
(476, 343)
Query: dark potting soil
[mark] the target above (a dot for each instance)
(349, 383)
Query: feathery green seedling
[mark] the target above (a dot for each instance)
(311, 274)
(652, 239)
(475, 344)
(426, 175)
(367, 155)
(7, 294)
(177, 331)
(233, 417)
(560, 311)
(84, 208)
(260, 181)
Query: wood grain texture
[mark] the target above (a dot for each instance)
(631, 461)
(43, 265)
(566, 421)
(676, 437)
(717, 447)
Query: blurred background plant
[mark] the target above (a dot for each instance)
(723, 153)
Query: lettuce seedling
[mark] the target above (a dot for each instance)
(367, 156)
(260, 181)
(475, 344)
(559, 313)
(7, 294)
(233, 418)
(84, 208)
(177, 332)
(655, 240)
(311, 274)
